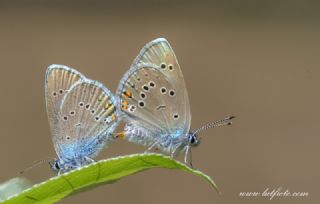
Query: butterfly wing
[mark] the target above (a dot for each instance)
(58, 81)
(160, 53)
(88, 117)
(84, 120)
(153, 94)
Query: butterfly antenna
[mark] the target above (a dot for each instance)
(36, 163)
(219, 123)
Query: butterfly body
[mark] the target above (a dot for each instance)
(82, 115)
(65, 164)
(167, 141)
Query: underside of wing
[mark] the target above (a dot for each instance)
(88, 116)
(58, 81)
(153, 92)
(148, 97)
(160, 53)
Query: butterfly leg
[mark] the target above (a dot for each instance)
(190, 158)
(173, 153)
(151, 146)
(188, 153)
(90, 160)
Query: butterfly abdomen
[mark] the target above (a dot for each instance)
(166, 143)
(137, 135)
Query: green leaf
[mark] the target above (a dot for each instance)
(13, 186)
(102, 172)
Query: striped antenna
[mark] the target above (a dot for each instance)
(36, 163)
(219, 123)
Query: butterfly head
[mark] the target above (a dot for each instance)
(55, 165)
(193, 139)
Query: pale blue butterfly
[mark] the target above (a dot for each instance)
(155, 104)
(82, 115)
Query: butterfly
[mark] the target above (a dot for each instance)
(155, 105)
(82, 114)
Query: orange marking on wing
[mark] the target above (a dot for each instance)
(124, 105)
(107, 105)
(127, 94)
(124, 102)
(120, 135)
(113, 117)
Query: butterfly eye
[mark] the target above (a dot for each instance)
(170, 67)
(68, 137)
(97, 118)
(65, 118)
(163, 65)
(93, 111)
(192, 140)
(87, 106)
(81, 104)
(57, 165)
(176, 116)
(60, 91)
(54, 93)
(171, 93)
(163, 90)
(72, 113)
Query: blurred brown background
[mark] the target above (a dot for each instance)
(258, 60)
